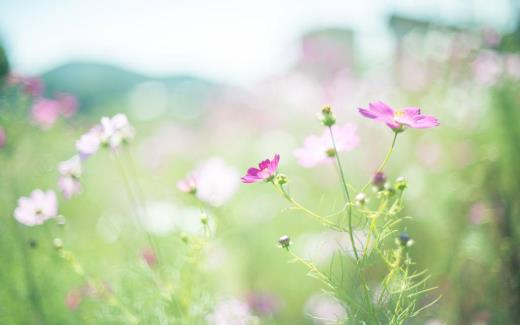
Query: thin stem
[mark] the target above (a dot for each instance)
(297, 205)
(345, 188)
(133, 201)
(387, 157)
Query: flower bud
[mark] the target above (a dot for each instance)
(184, 237)
(379, 180)
(281, 179)
(60, 220)
(361, 199)
(57, 243)
(404, 240)
(284, 242)
(204, 218)
(33, 243)
(401, 183)
(331, 153)
(327, 117)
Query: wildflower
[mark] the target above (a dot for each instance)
(188, 185)
(399, 120)
(320, 149)
(68, 104)
(31, 86)
(148, 256)
(116, 130)
(404, 240)
(325, 310)
(73, 299)
(231, 311)
(2, 137)
(89, 143)
(379, 180)
(45, 112)
(263, 304)
(37, 208)
(284, 242)
(266, 171)
(216, 181)
(70, 172)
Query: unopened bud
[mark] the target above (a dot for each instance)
(327, 117)
(204, 219)
(60, 220)
(361, 199)
(379, 180)
(57, 243)
(284, 242)
(404, 240)
(33, 243)
(401, 183)
(281, 179)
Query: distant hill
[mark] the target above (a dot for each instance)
(96, 83)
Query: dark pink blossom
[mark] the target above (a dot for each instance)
(30, 85)
(399, 120)
(265, 172)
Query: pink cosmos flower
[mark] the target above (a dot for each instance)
(265, 172)
(45, 112)
(398, 120)
(189, 184)
(70, 172)
(89, 143)
(149, 257)
(31, 86)
(37, 208)
(68, 104)
(319, 149)
(2, 137)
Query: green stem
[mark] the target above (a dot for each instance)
(297, 205)
(345, 188)
(383, 164)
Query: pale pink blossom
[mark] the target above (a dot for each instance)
(37, 208)
(45, 112)
(189, 184)
(30, 85)
(89, 143)
(409, 117)
(2, 137)
(319, 149)
(69, 186)
(68, 104)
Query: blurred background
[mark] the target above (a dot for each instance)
(208, 85)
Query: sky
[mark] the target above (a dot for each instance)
(234, 41)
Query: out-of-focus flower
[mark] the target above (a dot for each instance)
(217, 182)
(30, 85)
(68, 104)
(111, 132)
(513, 66)
(487, 68)
(45, 112)
(2, 137)
(231, 312)
(149, 257)
(265, 172)
(116, 130)
(399, 120)
(89, 143)
(70, 172)
(319, 149)
(189, 184)
(73, 299)
(379, 180)
(37, 208)
(325, 310)
(263, 304)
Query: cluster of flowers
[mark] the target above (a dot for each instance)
(45, 111)
(318, 150)
(43, 205)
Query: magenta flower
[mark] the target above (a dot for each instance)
(31, 86)
(399, 120)
(37, 208)
(265, 172)
(45, 112)
(319, 149)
